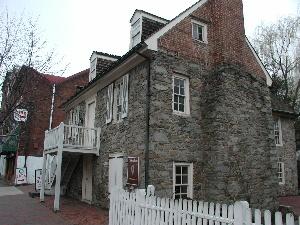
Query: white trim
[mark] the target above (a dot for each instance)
(140, 13)
(190, 178)
(279, 130)
(282, 172)
(153, 39)
(186, 95)
(204, 34)
(268, 77)
(96, 55)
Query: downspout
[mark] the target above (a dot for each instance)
(52, 107)
(147, 133)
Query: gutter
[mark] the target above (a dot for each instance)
(147, 115)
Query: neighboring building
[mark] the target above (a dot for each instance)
(28, 89)
(190, 99)
(284, 135)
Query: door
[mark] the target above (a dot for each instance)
(87, 179)
(115, 178)
(90, 137)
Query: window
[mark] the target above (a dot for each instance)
(181, 95)
(74, 117)
(277, 132)
(183, 180)
(117, 100)
(199, 31)
(281, 172)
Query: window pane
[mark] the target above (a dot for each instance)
(176, 82)
(175, 106)
(178, 169)
(182, 91)
(184, 196)
(185, 179)
(181, 107)
(177, 196)
(185, 170)
(178, 179)
(176, 89)
(200, 33)
(181, 99)
(184, 189)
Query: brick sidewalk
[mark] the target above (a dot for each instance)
(73, 211)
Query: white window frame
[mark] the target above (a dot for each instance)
(190, 178)
(93, 68)
(186, 95)
(281, 171)
(279, 130)
(204, 31)
(118, 87)
(74, 116)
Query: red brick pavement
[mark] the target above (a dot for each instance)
(74, 212)
(293, 201)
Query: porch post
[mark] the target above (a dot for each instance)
(98, 140)
(58, 168)
(42, 191)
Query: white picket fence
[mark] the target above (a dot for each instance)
(136, 208)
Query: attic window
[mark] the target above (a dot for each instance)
(199, 31)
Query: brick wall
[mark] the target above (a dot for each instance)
(226, 37)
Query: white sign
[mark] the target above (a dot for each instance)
(20, 115)
(38, 179)
(21, 176)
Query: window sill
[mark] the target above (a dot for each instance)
(200, 42)
(181, 114)
(279, 145)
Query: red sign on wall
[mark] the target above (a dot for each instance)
(133, 171)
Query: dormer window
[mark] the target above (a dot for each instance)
(199, 31)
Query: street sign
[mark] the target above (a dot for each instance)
(133, 171)
(21, 176)
(20, 115)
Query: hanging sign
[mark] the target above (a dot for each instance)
(38, 179)
(133, 171)
(20, 115)
(21, 176)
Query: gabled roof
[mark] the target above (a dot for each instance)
(81, 73)
(54, 79)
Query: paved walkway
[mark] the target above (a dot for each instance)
(17, 208)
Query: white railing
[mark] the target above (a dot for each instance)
(52, 138)
(72, 137)
(137, 209)
(81, 137)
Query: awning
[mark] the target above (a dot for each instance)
(9, 143)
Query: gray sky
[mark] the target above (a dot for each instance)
(77, 27)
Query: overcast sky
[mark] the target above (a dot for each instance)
(77, 27)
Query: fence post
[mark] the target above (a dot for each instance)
(241, 213)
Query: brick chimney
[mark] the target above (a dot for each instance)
(229, 31)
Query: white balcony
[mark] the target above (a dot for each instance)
(71, 138)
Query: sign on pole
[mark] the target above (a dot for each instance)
(21, 176)
(20, 115)
(38, 179)
(133, 171)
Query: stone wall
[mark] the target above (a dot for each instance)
(288, 154)
(227, 137)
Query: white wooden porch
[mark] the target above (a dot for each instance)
(71, 139)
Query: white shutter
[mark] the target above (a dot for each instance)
(125, 96)
(109, 103)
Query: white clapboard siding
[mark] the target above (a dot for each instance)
(136, 208)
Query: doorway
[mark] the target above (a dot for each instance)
(87, 179)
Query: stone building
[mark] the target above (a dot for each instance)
(29, 89)
(191, 100)
(285, 141)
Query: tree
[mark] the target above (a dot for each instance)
(278, 46)
(22, 44)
